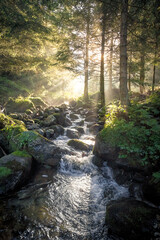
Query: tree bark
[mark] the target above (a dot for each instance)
(123, 54)
(102, 90)
(110, 66)
(142, 71)
(86, 68)
(129, 72)
(154, 66)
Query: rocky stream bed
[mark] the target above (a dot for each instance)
(64, 192)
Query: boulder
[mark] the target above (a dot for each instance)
(50, 120)
(132, 219)
(91, 118)
(79, 145)
(19, 105)
(95, 128)
(151, 191)
(42, 150)
(38, 101)
(49, 133)
(73, 117)
(72, 133)
(80, 130)
(14, 170)
(62, 119)
(58, 130)
(104, 150)
(80, 123)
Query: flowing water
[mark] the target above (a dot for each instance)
(71, 206)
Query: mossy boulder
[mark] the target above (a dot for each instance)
(5, 120)
(19, 105)
(49, 121)
(14, 171)
(132, 219)
(79, 145)
(38, 101)
(42, 150)
(16, 137)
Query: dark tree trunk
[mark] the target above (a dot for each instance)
(86, 61)
(154, 66)
(142, 72)
(129, 72)
(110, 66)
(102, 91)
(123, 54)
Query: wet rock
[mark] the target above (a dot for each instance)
(62, 119)
(50, 120)
(79, 145)
(33, 126)
(95, 128)
(80, 123)
(42, 150)
(80, 130)
(14, 171)
(91, 118)
(73, 117)
(104, 150)
(132, 219)
(97, 161)
(49, 133)
(58, 130)
(72, 133)
(40, 131)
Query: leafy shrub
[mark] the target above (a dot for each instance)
(136, 132)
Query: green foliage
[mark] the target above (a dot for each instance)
(37, 101)
(5, 172)
(26, 137)
(21, 154)
(136, 133)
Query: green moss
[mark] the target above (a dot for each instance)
(19, 104)
(28, 111)
(38, 101)
(21, 154)
(5, 120)
(56, 115)
(4, 172)
(26, 137)
(77, 144)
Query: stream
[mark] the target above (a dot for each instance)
(68, 203)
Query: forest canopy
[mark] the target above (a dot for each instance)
(63, 49)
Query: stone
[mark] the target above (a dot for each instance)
(58, 130)
(91, 118)
(131, 219)
(72, 133)
(80, 130)
(95, 128)
(49, 133)
(80, 123)
(15, 169)
(79, 145)
(104, 150)
(73, 117)
(50, 120)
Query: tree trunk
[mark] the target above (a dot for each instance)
(110, 66)
(86, 61)
(102, 92)
(129, 72)
(123, 54)
(142, 72)
(154, 67)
